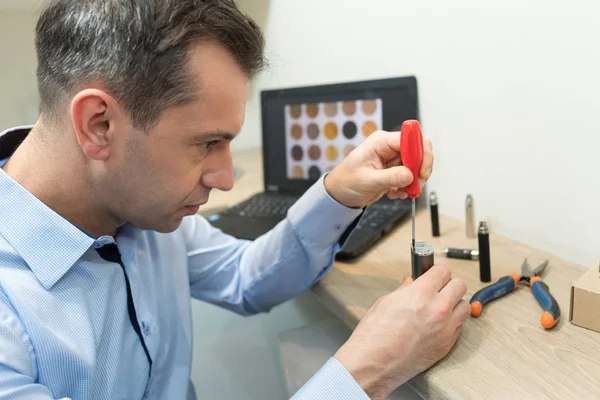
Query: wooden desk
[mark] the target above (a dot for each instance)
(505, 353)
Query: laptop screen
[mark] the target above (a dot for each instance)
(319, 135)
(308, 131)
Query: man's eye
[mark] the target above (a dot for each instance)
(209, 145)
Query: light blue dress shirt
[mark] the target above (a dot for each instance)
(65, 332)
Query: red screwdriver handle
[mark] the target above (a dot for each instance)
(411, 151)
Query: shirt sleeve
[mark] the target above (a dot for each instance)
(251, 277)
(17, 367)
(332, 382)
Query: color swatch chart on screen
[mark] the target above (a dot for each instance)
(320, 135)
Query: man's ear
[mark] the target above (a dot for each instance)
(93, 112)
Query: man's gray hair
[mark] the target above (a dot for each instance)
(137, 49)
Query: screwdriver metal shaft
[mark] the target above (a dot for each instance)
(413, 222)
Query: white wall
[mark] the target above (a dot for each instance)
(20, 5)
(18, 87)
(509, 94)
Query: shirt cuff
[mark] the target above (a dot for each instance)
(332, 382)
(318, 217)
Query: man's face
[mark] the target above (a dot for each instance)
(167, 173)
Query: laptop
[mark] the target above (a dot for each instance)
(306, 132)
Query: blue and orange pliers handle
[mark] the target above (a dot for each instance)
(506, 285)
(541, 292)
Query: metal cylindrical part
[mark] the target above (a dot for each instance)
(435, 218)
(462, 254)
(470, 216)
(421, 258)
(483, 234)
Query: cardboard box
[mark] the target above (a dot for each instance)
(585, 301)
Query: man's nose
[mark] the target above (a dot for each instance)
(219, 174)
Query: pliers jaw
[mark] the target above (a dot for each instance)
(527, 273)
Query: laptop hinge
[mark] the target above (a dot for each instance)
(272, 188)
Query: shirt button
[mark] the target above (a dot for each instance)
(146, 328)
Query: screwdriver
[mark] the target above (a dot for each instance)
(411, 151)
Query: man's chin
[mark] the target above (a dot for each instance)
(163, 227)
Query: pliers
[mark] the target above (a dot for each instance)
(507, 284)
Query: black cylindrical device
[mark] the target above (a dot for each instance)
(421, 258)
(435, 218)
(462, 254)
(483, 234)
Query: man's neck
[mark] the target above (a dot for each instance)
(58, 179)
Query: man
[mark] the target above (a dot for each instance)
(101, 246)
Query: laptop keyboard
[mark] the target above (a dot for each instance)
(377, 215)
(276, 206)
(264, 206)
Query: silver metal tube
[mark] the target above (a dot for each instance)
(470, 217)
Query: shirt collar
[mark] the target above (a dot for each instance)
(48, 243)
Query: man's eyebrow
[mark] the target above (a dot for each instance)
(210, 136)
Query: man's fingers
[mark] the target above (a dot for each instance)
(457, 334)
(396, 193)
(387, 147)
(395, 177)
(406, 281)
(437, 276)
(427, 165)
(394, 162)
(461, 312)
(390, 139)
(454, 291)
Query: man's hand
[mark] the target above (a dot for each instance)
(406, 332)
(374, 169)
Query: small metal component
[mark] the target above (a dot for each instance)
(421, 258)
(483, 228)
(462, 254)
(483, 234)
(433, 199)
(435, 218)
(470, 217)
